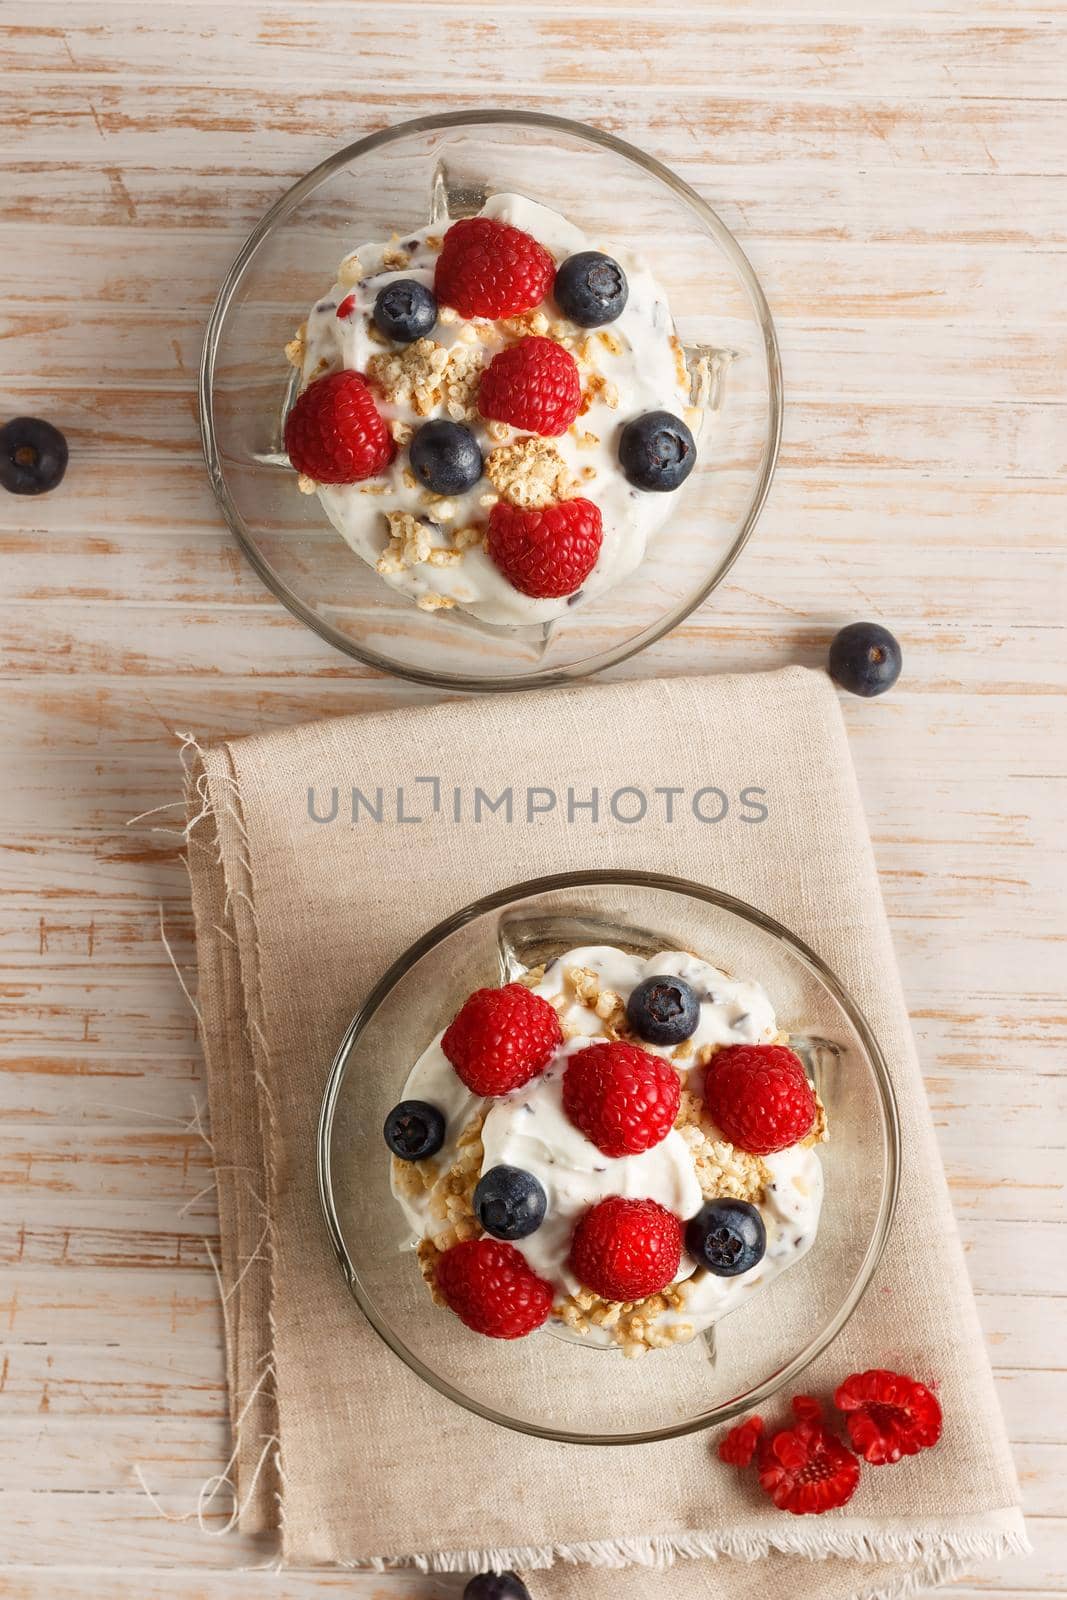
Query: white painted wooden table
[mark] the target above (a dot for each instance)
(894, 170)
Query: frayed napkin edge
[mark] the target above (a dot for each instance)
(943, 1553)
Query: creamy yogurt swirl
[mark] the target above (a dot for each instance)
(529, 1129)
(638, 356)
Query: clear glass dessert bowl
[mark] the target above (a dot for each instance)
(549, 1384)
(396, 181)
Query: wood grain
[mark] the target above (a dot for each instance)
(896, 174)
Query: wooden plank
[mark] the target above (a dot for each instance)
(852, 359)
(965, 288)
(114, 1307)
(139, 1584)
(1012, 439)
(1009, 658)
(293, 128)
(980, 10)
(183, 1381)
(268, 45)
(840, 204)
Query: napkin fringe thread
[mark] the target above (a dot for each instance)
(198, 792)
(942, 1553)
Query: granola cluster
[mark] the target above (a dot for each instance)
(414, 540)
(635, 1326)
(723, 1171)
(451, 1201)
(413, 375)
(529, 473)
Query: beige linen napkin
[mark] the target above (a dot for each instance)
(336, 1440)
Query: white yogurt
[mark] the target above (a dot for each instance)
(529, 1129)
(644, 372)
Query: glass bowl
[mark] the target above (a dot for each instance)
(541, 1385)
(395, 181)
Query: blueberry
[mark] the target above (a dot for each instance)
(496, 1586)
(405, 310)
(33, 456)
(657, 451)
(591, 289)
(727, 1237)
(865, 659)
(663, 1010)
(445, 457)
(510, 1203)
(414, 1130)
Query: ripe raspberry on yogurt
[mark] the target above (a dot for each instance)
(543, 351)
(560, 1120)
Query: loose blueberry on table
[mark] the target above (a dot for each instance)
(33, 456)
(865, 659)
(496, 1586)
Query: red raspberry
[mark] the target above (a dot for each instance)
(534, 385)
(622, 1098)
(334, 433)
(888, 1415)
(346, 308)
(739, 1446)
(490, 269)
(492, 1288)
(806, 1408)
(546, 553)
(501, 1038)
(805, 1469)
(626, 1249)
(759, 1096)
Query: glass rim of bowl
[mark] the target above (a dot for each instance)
(890, 1131)
(489, 117)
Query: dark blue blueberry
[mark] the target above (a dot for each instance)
(727, 1237)
(405, 310)
(509, 1203)
(496, 1586)
(663, 1010)
(33, 456)
(591, 289)
(865, 659)
(657, 451)
(414, 1130)
(445, 457)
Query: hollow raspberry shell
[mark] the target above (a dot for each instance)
(501, 1038)
(888, 1416)
(490, 269)
(759, 1096)
(739, 1446)
(335, 433)
(807, 1470)
(533, 385)
(492, 1289)
(624, 1099)
(625, 1250)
